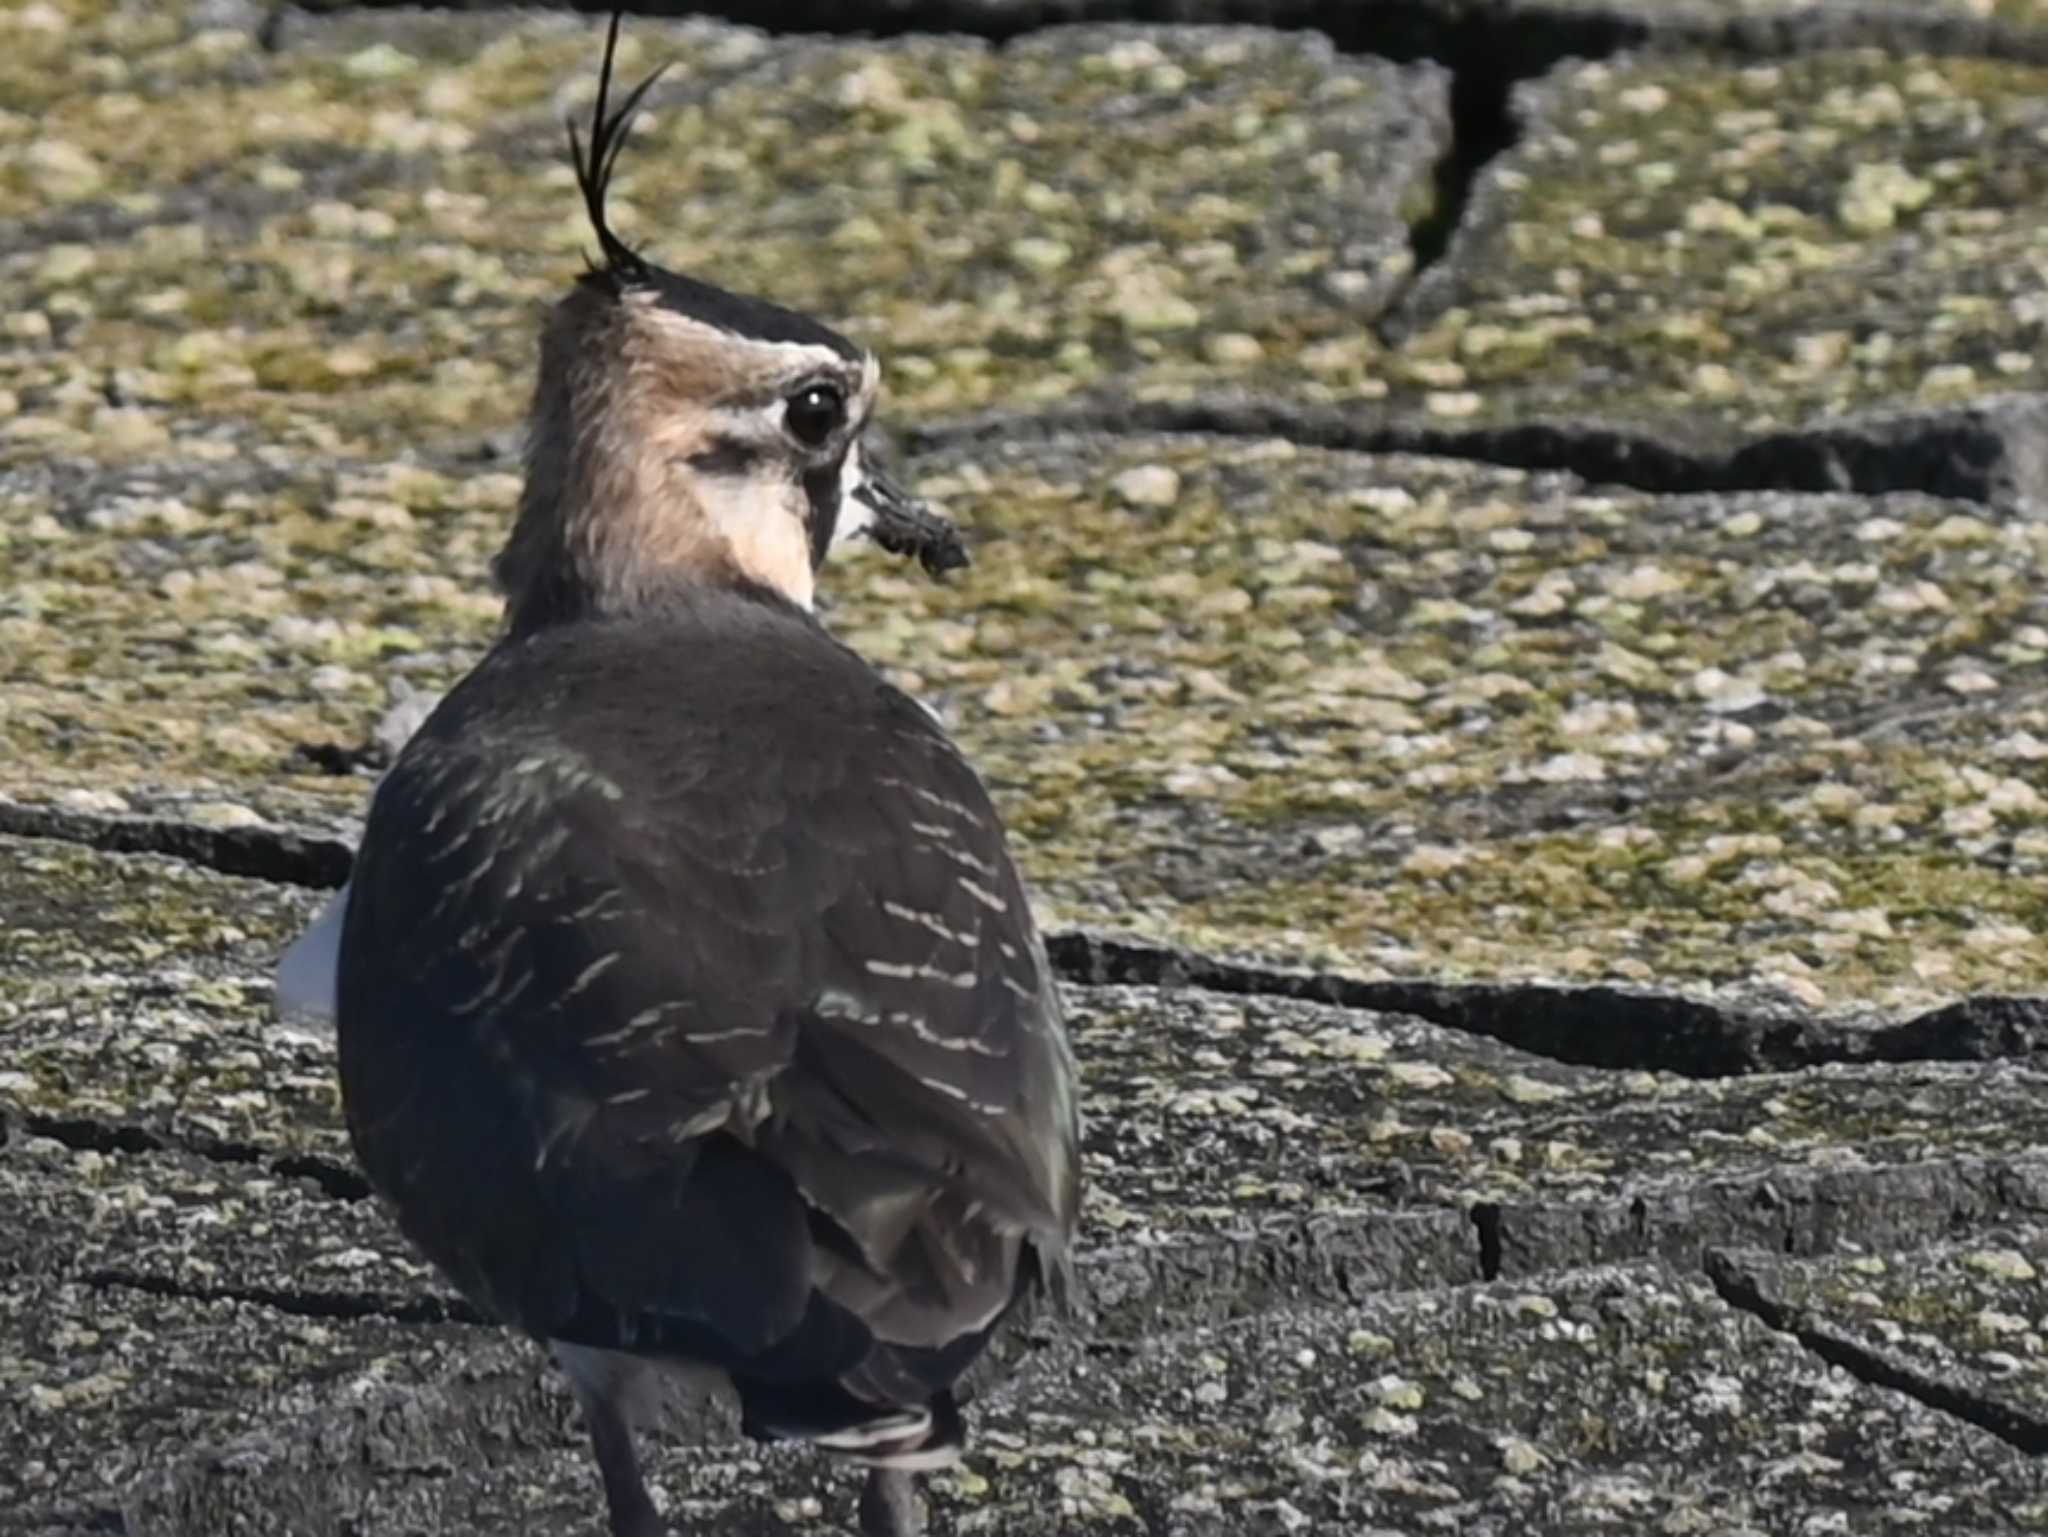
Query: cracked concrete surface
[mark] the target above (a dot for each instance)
(1507, 621)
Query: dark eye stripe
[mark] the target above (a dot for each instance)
(822, 487)
(726, 456)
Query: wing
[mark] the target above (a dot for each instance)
(735, 1041)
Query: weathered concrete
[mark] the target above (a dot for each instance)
(173, 1153)
(106, 1386)
(1624, 1397)
(1552, 926)
(1961, 1322)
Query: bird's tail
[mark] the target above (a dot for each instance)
(916, 1440)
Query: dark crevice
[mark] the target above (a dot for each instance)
(267, 853)
(1487, 51)
(336, 1181)
(93, 1136)
(2013, 1425)
(1486, 1225)
(1593, 1026)
(1389, 27)
(335, 760)
(1971, 454)
(1483, 127)
(301, 1304)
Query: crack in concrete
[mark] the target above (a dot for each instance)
(266, 853)
(1387, 27)
(1987, 453)
(1599, 1026)
(1740, 1288)
(1486, 1218)
(336, 1181)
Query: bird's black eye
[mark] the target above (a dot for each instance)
(814, 413)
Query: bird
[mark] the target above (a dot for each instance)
(691, 1016)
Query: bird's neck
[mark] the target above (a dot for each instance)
(612, 522)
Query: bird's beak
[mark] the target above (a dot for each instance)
(903, 525)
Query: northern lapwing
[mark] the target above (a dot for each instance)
(691, 1014)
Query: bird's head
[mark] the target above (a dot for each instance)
(681, 432)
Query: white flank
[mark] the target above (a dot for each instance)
(303, 993)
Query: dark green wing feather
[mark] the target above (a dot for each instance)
(703, 1005)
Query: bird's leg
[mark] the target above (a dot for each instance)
(888, 1504)
(625, 1491)
(603, 1389)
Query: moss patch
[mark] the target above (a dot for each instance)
(345, 247)
(1411, 717)
(1401, 716)
(195, 630)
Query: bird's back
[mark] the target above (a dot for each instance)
(689, 1005)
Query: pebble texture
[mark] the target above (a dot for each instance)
(1551, 921)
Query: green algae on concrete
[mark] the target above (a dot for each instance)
(1750, 248)
(346, 246)
(1404, 717)
(1409, 717)
(200, 629)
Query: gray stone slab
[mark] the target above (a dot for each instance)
(1628, 1398)
(137, 1006)
(1243, 1152)
(1711, 254)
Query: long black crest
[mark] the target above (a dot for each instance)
(594, 170)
